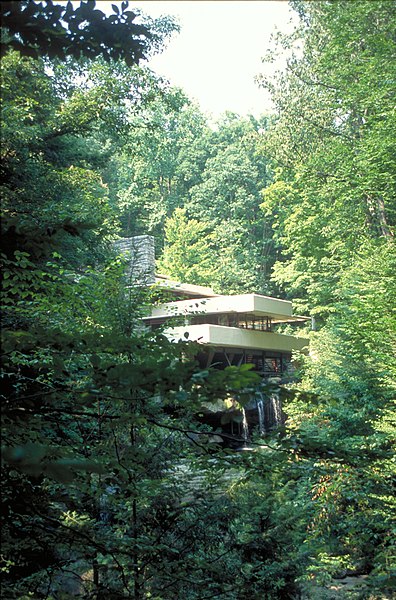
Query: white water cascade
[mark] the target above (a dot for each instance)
(244, 426)
(276, 410)
(269, 412)
(261, 414)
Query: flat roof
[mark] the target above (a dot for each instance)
(254, 304)
(184, 288)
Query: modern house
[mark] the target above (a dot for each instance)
(233, 329)
(230, 329)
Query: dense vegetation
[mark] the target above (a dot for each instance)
(111, 487)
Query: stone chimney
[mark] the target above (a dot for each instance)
(139, 250)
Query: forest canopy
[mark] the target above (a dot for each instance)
(112, 485)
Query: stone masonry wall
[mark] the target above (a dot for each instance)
(140, 253)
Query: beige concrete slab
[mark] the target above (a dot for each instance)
(233, 337)
(254, 304)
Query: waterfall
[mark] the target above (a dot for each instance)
(244, 426)
(276, 410)
(269, 412)
(269, 415)
(261, 414)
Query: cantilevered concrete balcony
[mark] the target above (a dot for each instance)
(243, 321)
(280, 311)
(234, 337)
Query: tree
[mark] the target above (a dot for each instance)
(225, 200)
(153, 171)
(342, 420)
(333, 209)
(98, 412)
(331, 144)
(188, 252)
(37, 28)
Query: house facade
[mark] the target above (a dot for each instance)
(232, 329)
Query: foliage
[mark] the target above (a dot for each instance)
(58, 132)
(37, 28)
(173, 160)
(98, 412)
(331, 145)
(150, 177)
(333, 208)
(112, 486)
(225, 203)
(110, 420)
(188, 257)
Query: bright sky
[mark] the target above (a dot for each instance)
(218, 52)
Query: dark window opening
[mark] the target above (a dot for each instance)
(242, 321)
